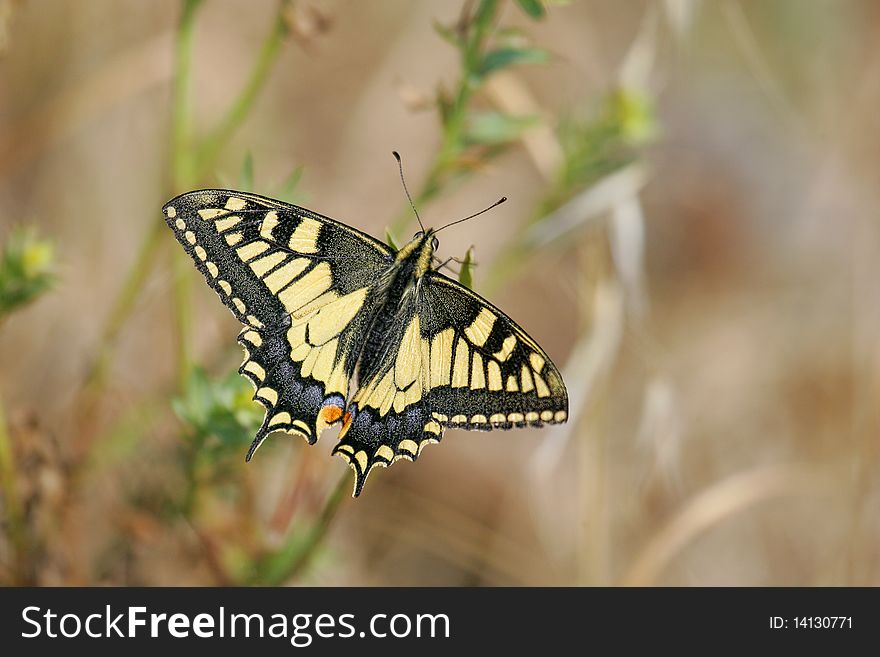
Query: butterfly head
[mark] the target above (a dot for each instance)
(422, 235)
(419, 252)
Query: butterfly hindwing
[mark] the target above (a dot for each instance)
(454, 360)
(301, 284)
(486, 371)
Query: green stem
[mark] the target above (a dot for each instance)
(181, 161)
(504, 267)
(124, 304)
(191, 465)
(183, 176)
(14, 516)
(452, 144)
(239, 110)
(186, 170)
(182, 315)
(450, 149)
(181, 171)
(286, 568)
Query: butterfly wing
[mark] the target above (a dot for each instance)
(303, 286)
(454, 360)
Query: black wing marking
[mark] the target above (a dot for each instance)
(301, 283)
(454, 360)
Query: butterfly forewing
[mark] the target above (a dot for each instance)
(300, 283)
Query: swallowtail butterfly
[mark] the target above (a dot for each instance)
(322, 302)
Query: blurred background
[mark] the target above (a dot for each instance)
(692, 234)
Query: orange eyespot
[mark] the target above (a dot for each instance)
(331, 414)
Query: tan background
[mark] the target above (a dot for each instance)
(725, 412)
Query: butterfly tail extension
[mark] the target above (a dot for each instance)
(329, 414)
(369, 440)
(258, 440)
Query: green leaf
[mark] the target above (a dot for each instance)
(596, 146)
(447, 34)
(223, 180)
(533, 8)
(246, 178)
(485, 13)
(220, 409)
(510, 34)
(632, 112)
(27, 266)
(465, 274)
(389, 239)
(287, 191)
(444, 106)
(497, 127)
(504, 57)
(193, 407)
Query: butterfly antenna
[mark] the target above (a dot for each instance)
(476, 214)
(403, 180)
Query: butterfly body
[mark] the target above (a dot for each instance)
(401, 280)
(323, 303)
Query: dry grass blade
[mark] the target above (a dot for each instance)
(713, 506)
(588, 207)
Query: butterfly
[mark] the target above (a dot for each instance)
(323, 303)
